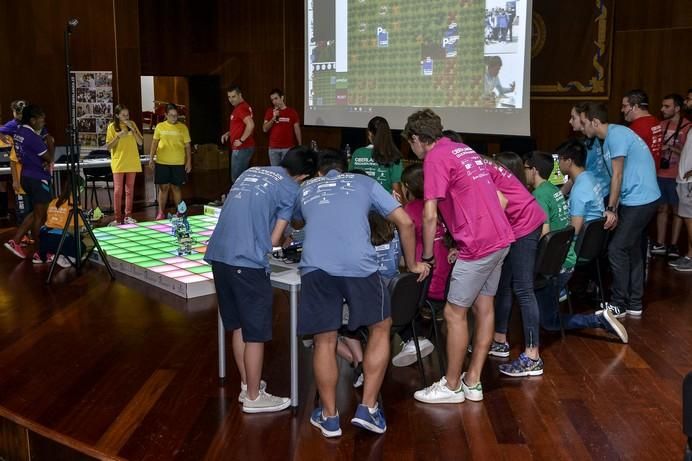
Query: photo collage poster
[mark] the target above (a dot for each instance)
(94, 97)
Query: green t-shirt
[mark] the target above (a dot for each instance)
(553, 203)
(386, 176)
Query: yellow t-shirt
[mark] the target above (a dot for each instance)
(172, 139)
(56, 217)
(125, 155)
(14, 161)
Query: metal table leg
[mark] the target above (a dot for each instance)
(294, 346)
(222, 350)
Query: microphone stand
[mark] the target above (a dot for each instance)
(73, 171)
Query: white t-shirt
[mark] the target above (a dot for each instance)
(685, 164)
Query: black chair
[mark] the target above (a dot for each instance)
(550, 257)
(590, 244)
(102, 173)
(434, 313)
(407, 295)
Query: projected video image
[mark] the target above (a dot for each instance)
(433, 52)
(379, 55)
(502, 27)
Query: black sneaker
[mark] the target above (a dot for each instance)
(634, 312)
(617, 311)
(673, 251)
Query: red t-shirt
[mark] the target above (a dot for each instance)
(281, 134)
(649, 129)
(674, 138)
(237, 128)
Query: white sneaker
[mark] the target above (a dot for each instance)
(615, 325)
(129, 220)
(475, 393)
(439, 393)
(64, 262)
(265, 403)
(243, 390)
(407, 356)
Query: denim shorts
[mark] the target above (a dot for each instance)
(322, 298)
(245, 300)
(669, 195)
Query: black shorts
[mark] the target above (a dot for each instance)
(245, 300)
(322, 297)
(38, 190)
(170, 174)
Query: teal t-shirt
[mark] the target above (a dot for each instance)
(553, 203)
(387, 176)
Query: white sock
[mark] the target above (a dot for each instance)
(373, 410)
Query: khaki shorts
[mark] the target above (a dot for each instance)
(684, 191)
(473, 278)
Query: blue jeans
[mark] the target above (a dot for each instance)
(240, 161)
(276, 155)
(547, 298)
(517, 276)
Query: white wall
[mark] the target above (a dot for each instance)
(147, 93)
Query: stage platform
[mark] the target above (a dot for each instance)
(148, 251)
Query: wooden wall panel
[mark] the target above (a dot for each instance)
(14, 443)
(37, 58)
(172, 89)
(259, 45)
(652, 14)
(656, 60)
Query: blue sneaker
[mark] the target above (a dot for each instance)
(329, 426)
(374, 422)
(522, 366)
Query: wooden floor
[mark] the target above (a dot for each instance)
(118, 370)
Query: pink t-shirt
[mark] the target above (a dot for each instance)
(523, 211)
(440, 272)
(456, 176)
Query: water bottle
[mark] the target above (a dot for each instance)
(347, 151)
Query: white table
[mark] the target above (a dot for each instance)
(84, 163)
(286, 277)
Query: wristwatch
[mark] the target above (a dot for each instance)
(612, 209)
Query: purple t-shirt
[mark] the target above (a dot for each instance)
(30, 149)
(9, 128)
(524, 213)
(457, 178)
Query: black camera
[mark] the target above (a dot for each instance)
(291, 253)
(664, 163)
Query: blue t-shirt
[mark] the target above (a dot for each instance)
(639, 185)
(596, 165)
(258, 198)
(30, 149)
(585, 198)
(335, 209)
(388, 255)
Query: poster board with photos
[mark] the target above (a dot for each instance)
(94, 97)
